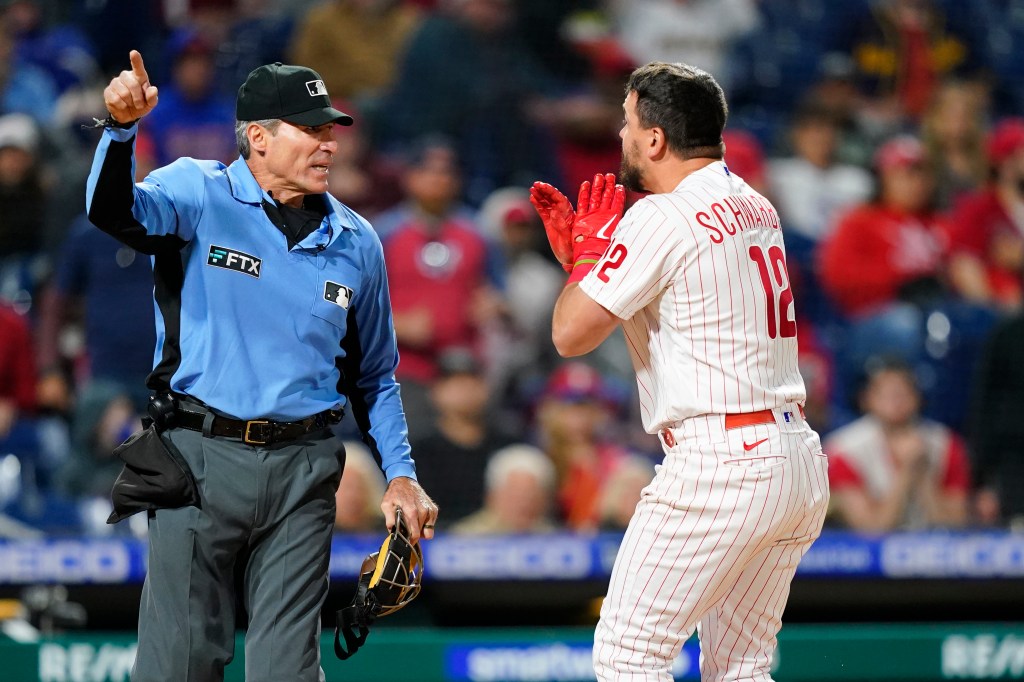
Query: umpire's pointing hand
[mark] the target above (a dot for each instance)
(419, 510)
(130, 96)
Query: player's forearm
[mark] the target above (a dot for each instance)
(579, 325)
(561, 325)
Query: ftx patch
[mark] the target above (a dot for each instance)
(229, 259)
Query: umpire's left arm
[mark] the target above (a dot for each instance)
(368, 380)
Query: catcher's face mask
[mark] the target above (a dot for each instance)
(388, 580)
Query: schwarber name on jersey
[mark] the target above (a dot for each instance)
(699, 277)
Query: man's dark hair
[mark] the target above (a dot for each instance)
(812, 111)
(875, 366)
(878, 365)
(684, 101)
(418, 152)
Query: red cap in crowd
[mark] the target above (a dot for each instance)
(900, 152)
(576, 382)
(1005, 140)
(743, 155)
(517, 214)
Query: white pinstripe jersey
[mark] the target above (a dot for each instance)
(699, 277)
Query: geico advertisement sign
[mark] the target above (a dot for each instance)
(64, 561)
(554, 557)
(81, 662)
(974, 556)
(983, 657)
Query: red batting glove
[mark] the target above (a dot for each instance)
(556, 213)
(599, 209)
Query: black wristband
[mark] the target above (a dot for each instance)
(110, 122)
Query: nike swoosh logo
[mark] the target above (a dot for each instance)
(751, 446)
(601, 233)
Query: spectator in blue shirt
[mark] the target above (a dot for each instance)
(24, 88)
(194, 118)
(273, 315)
(62, 50)
(107, 287)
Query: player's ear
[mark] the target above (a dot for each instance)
(657, 143)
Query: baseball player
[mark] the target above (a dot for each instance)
(696, 275)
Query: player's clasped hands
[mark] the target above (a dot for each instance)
(557, 215)
(599, 207)
(130, 95)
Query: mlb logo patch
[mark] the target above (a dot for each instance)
(316, 88)
(338, 294)
(788, 416)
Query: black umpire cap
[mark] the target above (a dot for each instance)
(291, 93)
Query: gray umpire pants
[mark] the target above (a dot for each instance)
(273, 503)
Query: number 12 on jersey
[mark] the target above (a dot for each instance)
(778, 307)
(614, 260)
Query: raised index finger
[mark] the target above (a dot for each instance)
(138, 68)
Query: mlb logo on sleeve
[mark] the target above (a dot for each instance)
(316, 88)
(338, 294)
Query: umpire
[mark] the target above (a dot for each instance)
(273, 315)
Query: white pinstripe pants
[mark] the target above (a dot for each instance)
(713, 545)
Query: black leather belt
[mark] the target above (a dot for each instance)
(255, 431)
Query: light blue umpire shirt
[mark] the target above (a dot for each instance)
(247, 326)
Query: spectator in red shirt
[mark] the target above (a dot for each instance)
(892, 470)
(440, 272)
(17, 371)
(20, 430)
(891, 249)
(574, 418)
(987, 246)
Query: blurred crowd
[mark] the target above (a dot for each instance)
(889, 134)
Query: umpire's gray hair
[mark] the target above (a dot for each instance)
(242, 139)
